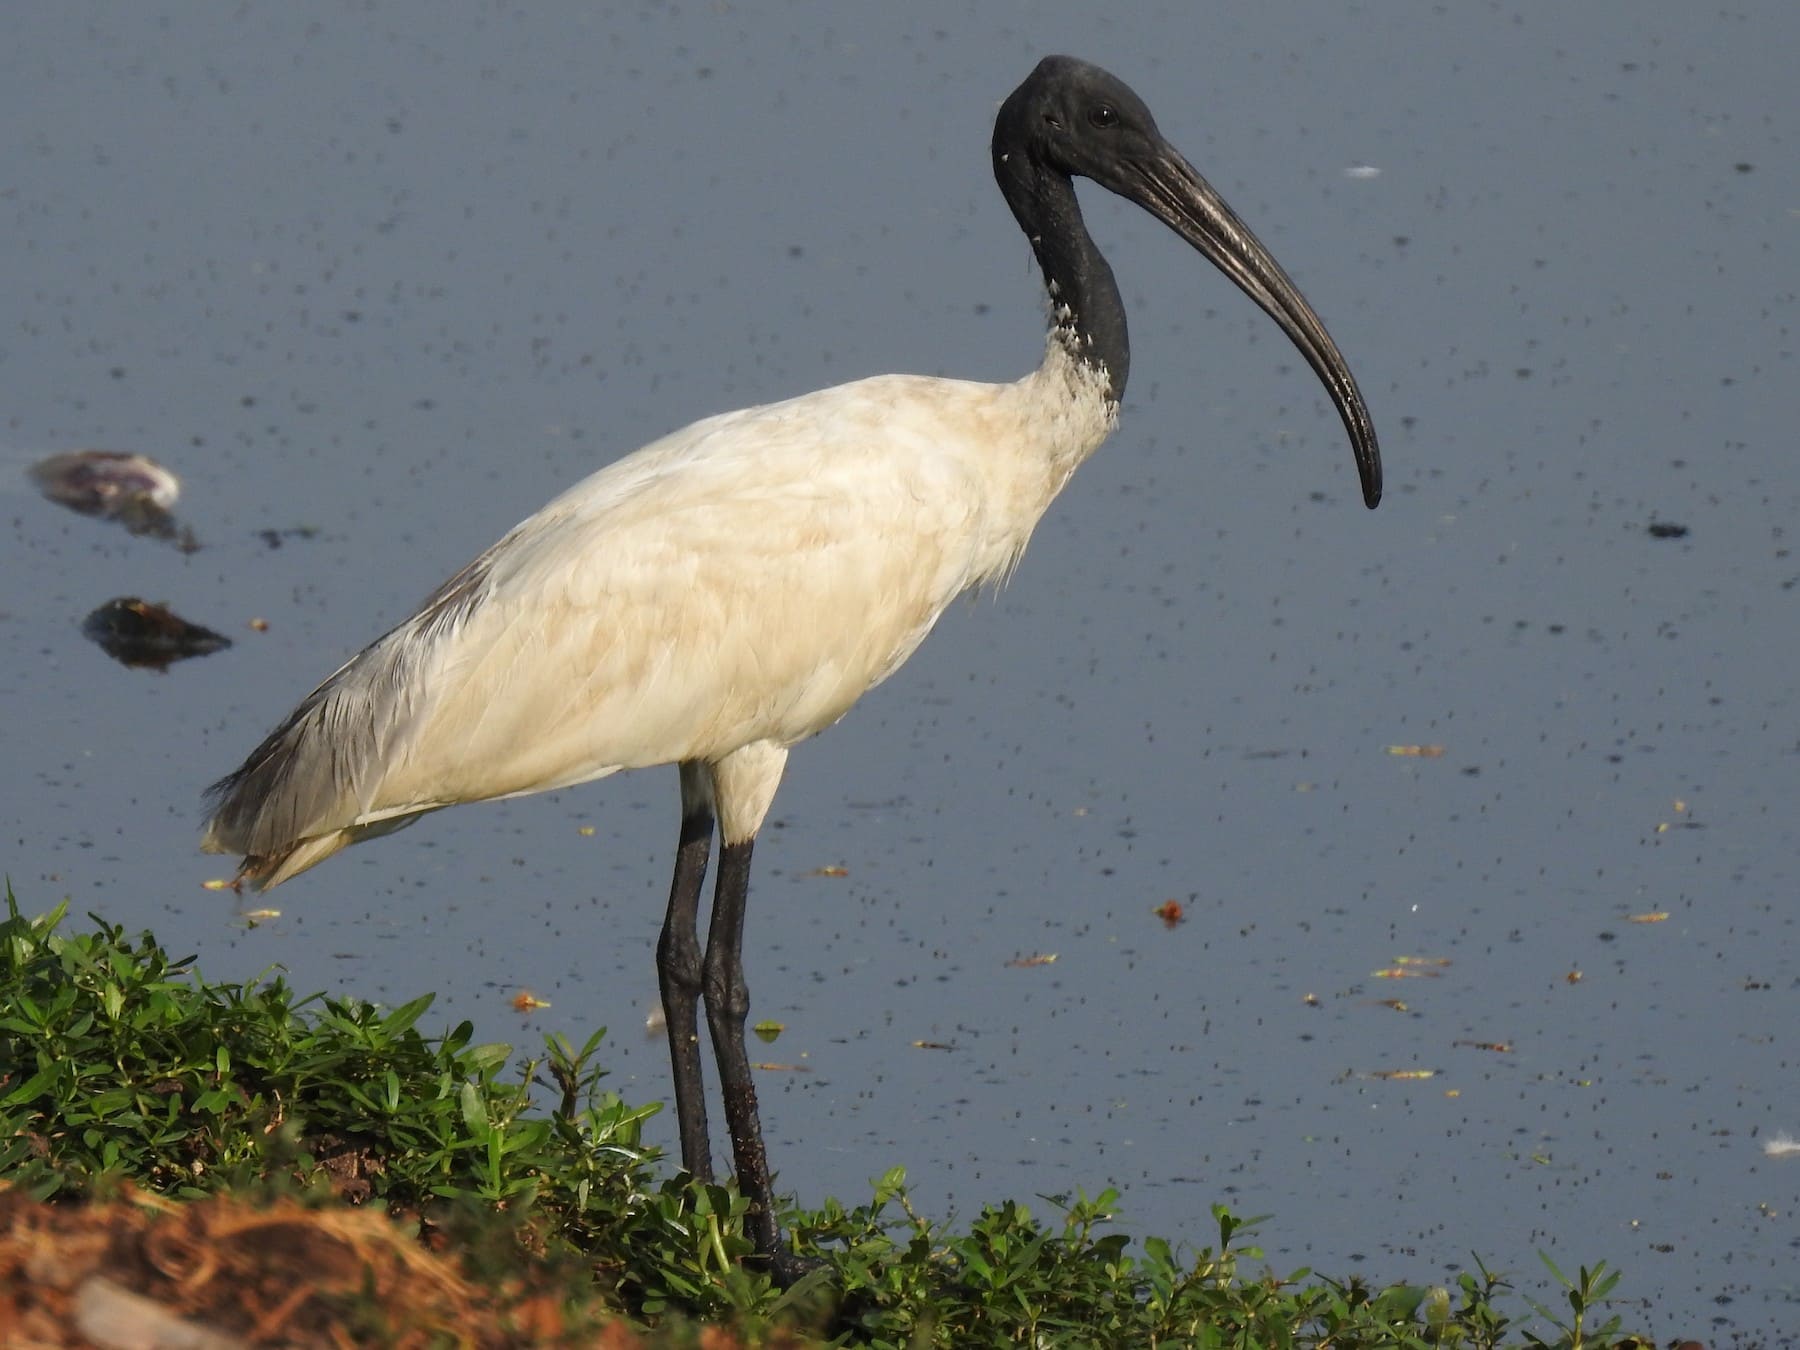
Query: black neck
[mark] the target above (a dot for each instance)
(1083, 295)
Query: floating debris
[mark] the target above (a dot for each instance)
(933, 1045)
(1659, 916)
(1681, 807)
(1040, 959)
(1417, 751)
(139, 634)
(134, 490)
(104, 482)
(1413, 968)
(829, 870)
(276, 538)
(1493, 1047)
(768, 1031)
(525, 1001)
(1781, 1146)
(1171, 913)
(1400, 1075)
(1666, 529)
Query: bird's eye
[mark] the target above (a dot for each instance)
(1103, 115)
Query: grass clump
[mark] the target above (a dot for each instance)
(121, 1068)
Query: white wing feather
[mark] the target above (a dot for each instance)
(743, 580)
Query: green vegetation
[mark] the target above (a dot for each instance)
(121, 1067)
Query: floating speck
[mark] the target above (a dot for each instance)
(1400, 1075)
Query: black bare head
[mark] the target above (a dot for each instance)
(1069, 119)
(1075, 119)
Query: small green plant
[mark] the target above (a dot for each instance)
(118, 1063)
(1589, 1289)
(121, 1065)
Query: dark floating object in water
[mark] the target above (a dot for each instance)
(134, 490)
(276, 538)
(1667, 529)
(139, 634)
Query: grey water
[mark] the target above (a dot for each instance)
(379, 279)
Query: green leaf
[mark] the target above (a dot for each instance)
(474, 1111)
(403, 1017)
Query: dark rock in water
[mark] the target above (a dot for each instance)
(134, 490)
(1667, 529)
(137, 633)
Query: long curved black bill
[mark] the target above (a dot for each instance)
(1168, 187)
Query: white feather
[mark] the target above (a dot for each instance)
(733, 587)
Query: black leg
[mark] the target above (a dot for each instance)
(678, 976)
(727, 1006)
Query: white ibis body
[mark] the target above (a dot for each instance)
(728, 591)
